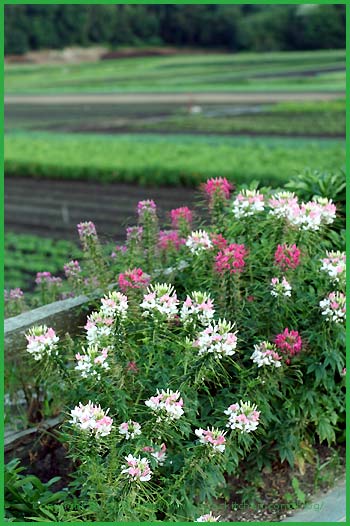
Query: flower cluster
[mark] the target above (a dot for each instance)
(231, 259)
(87, 234)
(72, 270)
(248, 203)
(91, 418)
(281, 203)
(129, 429)
(289, 342)
(137, 469)
(147, 207)
(219, 241)
(217, 339)
(218, 186)
(334, 307)
(198, 241)
(13, 294)
(282, 288)
(181, 217)
(158, 453)
(92, 361)
(335, 266)
(42, 342)
(265, 353)
(208, 517)
(170, 239)
(243, 416)
(133, 279)
(166, 404)
(305, 216)
(100, 323)
(287, 257)
(212, 437)
(198, 307)
(160, 299)
(134, 233)
(45, 278)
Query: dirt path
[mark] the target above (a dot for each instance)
(171, 98)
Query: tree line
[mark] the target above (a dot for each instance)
(231, 27)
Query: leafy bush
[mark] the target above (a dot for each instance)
(223, 347)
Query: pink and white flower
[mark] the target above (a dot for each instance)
(157, 452)
(197, 308)
(212, 437)
(248, 203)
(198, 241)
(115, 304)
(92, 361)
(137, 468)
(265, 353)
(282, 288)
(42, 342)
(166, 404)
(335, 266)
(87, 234)
(281, 203)
(243, 416)
(334, 307)
(160, 299)
(217, 339)
(130, 429)
(91, 418)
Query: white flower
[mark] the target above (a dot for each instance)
(243, 416)
(213, 437)
(266, 354)
(167, 404)
(42, 341)
(92, 361)
(160, 298)
(217, 339)
(198, 241)
(280, 289)
(91, 418)
(130, 429)
(198, 307)
(114, 304)
(335, 266)
(248, 203)
(137, 469)
(334, 307)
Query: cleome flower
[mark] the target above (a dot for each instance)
(157, 452)
(133, 279)
(148, 206)
(334, 307)
(115, 304)
(197, 308)
(335, 266)
(217, 187)
(180, 215)
(287, 257)
(217, 339)
(231, 259)
(170, 239)
(198, 241)
(248, 203)
(42, 342)
(92, 361)
(265, 353)
(129, 429)
(208, 517)
(281, 203)
(213, 437)
(243, 416)
(137, 469)
(87, 234)
(72, 270)
(160, 299)
(91, 418)
(166, 404)
(289, 342)
(282, 288)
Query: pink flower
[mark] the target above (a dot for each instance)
(212, 437)
(219, 241)
(145, 207)
(169, 239)
(231, 259)
(132, 367)
(14, 294)
(287, 256)
(218, 186)
(137, 469)
(180, 215)
(134, 279)
(72, 269)
(87, 234)
(289, 342)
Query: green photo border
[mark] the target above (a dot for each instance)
(286, 2)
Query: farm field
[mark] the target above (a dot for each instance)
(292, 118)
(316, 71)
(171, 160)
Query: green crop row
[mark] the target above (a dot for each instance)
(170, 160)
